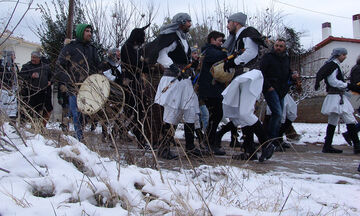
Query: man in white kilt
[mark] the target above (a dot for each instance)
(336, 105)
(241, 94)
(175, 91)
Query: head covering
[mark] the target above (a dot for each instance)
(137, 35)
(7, 54)
(80, 28)
(239, 18)
(336, 53)
(177, 20)
(36, 53)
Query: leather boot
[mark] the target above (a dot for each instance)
(354, 137)
(164, 146)
(46, 117)
(224, 129)
(267, 148)
(249, 147)
(327, 148)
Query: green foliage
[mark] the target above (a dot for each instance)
(199, 35)
(292, 38)
(52, 31)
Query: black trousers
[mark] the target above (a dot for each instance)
(214, 105)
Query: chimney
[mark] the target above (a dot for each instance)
(356, 26)
(326, 30)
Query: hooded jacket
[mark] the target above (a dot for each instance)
(77, 60)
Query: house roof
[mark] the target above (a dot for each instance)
(331, 38)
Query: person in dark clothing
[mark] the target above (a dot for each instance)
(275, 67)
(36, 76)
(76, 61)
(335, 104)
(8, 84)
(133, 82)
(210, 90)
(354, 79)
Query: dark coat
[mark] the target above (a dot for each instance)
(277, 73)
(73, 62)
(36, 84)
(355, 74)
(213, 54)
(7, 75)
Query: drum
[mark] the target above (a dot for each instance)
(97, 92)
(218, 73)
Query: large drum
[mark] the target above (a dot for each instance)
(218, 73)
(97, 93)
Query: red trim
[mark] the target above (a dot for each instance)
(356, 17)
(331, 38)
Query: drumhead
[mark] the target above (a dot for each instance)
(93, 94)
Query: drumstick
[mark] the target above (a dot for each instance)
(173, 80)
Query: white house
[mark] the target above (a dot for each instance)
(21, 47)
(312, 62)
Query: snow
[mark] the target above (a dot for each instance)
(73, 181)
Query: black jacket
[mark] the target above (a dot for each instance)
(76, 62)
(213, 54)
(276, 72)
(36, 84)
(355, 74)
(7, 75)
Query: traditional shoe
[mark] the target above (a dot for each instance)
(218, 151)
(196, 152)
(267, 152)
(331, 149)
(347, 138)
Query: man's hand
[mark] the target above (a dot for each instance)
(229, 64)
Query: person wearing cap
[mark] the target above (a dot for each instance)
(336, 105)
(172, 51)
(76, 61)
(241, 94)
(8, 84)
(36, 77)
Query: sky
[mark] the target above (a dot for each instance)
(303, 15)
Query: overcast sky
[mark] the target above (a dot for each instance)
(302, 15)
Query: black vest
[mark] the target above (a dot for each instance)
(339, 76)
(178, 56)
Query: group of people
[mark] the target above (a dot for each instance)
(158, 79)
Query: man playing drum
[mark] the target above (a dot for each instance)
(241, 94)
(76, 61)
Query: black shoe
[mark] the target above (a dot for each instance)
(196, 152)
(347, 138)
(218, 151)
(267, 152)
(244, 156)
(285, 145)
(331, 149)
(168, 155)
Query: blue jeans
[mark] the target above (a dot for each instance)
(204, 116)
(76, 115)
(276, 106)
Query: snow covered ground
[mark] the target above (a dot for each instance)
(47, 180)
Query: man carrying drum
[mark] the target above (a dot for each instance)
(76, 61)
(241, 94)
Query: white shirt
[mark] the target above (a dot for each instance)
(164, 58)
(251, 49)
(333, 81)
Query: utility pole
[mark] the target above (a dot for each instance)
(69, 23)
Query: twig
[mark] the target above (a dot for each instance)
(7, 171)
(282, 208)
